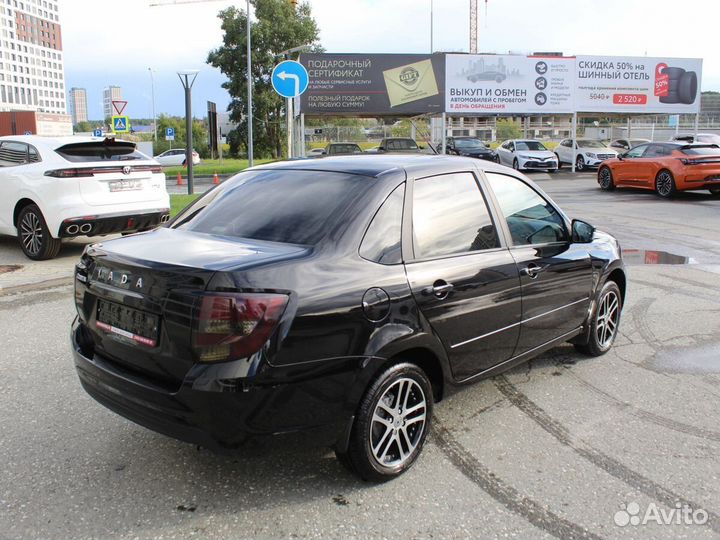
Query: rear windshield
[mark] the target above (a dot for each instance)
(100, 151)
(702, 151)
(344, 148)
(529, 145)
(294, 207)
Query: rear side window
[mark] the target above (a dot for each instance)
(530, 218)
(13, 153)
(382, 242)
(289, 206)
(100, 151)
(450, 217)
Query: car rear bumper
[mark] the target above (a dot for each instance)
(96, 225)
(219, 420)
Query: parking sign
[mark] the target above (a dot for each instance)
(170, 134)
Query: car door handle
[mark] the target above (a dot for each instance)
(440, 289)
(532, 270)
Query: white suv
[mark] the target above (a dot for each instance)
(590, 153)
(55, 188)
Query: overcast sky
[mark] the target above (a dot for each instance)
(108, 42)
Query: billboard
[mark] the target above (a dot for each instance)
(373, 84)
(508, 84)
(620, 84)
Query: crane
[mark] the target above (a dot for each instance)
(473, 26)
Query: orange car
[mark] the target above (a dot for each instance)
(666, 167)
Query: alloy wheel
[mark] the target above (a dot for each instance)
(607, 319)
(605, 178)
(664, 184)
(579, 163)
(31, 233)
(398, 423)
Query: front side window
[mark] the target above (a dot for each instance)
(450, 216)
(637, 152)
(530, 218)
(382, 239)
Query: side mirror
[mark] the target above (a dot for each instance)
(582, 232)
(621, 156)
(421, 147)
(381, 148)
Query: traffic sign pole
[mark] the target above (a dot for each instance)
(290, 79)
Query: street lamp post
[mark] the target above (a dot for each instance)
(249, 90)
(152, 89)
(187, 78)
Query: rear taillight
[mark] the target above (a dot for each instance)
(230, 326)
(156, 170)
(70, 173)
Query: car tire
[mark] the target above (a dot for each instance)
(715, 192)
(579, 163)
(34, 235)
(605, 321)
(673, 73)
(605, 179)
(671, 98)
(385, 440)
(665, 184)
(687, 88)
(558, 160)
(516, 164)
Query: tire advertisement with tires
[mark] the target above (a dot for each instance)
(643, 84)
(507, 84)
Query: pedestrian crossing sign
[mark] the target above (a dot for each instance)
(121, 124)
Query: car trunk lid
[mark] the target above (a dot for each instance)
(139, 296)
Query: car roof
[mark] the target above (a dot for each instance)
(53, 143)
(376, 165)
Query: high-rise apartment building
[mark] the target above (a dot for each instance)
(77, 105)
(110, 94)
(32, 76)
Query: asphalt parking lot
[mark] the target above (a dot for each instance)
(565, 446)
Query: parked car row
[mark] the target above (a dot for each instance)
(387, 145)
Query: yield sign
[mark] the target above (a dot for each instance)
(119, 106)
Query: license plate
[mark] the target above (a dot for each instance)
(139, 326)
(126, 185)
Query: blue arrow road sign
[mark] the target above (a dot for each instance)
(290, 79)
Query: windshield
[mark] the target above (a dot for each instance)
(529, 145)
(585, 143)
(470, 143)
(295, 207)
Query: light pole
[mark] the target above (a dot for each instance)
(187, 78)
(431, 26)
(249, 90)
(152, 89)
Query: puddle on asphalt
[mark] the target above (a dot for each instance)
(647, 256)
(6, 268)
(696, 360)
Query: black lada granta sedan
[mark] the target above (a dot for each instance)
(344, 296)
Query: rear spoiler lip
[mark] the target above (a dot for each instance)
(696, 145)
